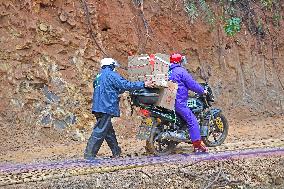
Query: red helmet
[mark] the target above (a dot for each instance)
(175, 58)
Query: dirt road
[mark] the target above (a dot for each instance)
(241, 130)
(253, 172)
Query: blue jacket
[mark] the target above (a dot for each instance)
(185, 82)
(107, 86)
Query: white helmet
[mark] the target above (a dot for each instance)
(108, 62)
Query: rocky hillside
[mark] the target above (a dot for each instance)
(48, 58)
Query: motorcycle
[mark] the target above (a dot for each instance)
(164, 129)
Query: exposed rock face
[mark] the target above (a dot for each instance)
(44, 62)
(48, 60)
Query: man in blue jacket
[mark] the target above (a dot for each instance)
(179, 75)
(107, 87)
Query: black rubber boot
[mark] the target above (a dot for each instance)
(112, 142)
(117, 153)
(97, 137)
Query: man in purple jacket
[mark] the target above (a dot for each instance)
(179, 75)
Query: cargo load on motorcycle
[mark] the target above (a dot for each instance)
(163, 128)
(153, 67)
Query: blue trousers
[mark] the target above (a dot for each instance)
(103, 130)
(190, 119)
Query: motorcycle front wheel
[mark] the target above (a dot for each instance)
(218, 131)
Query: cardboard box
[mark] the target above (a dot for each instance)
(152, 67)
(167, 96)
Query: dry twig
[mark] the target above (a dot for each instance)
(216, 178)
(143, 172)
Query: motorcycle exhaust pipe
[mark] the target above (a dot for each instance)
(173, 136)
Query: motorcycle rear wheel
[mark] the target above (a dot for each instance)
(223, 133)
(159, 148)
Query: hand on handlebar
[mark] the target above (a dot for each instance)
(205, 92)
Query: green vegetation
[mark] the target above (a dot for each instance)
(232, 26)
(234, 14)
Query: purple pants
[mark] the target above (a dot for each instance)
(191, 121)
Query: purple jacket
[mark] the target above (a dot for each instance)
(185, 82)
